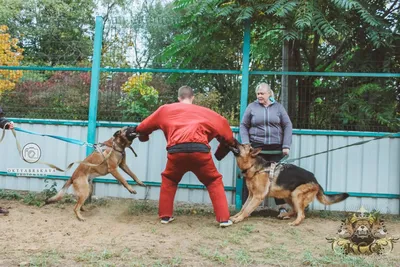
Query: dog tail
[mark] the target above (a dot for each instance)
(330, 199)
(60, 193)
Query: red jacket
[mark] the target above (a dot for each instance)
(183, 123)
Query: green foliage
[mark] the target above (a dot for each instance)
(139, 99)
(9, 195)
(30, 198)
(52, 32)
(369, 102)
(212, 100)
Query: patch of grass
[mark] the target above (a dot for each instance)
(9, 195)
(175, 261)
(248, 228)
(48, 258)
(333, 258)
(101, 202)
(142, 206)
(33, 198)
(239, 235)
(276, 254)
(172, 262)
(214, 256)
(296, 235)
(243, 257)
(96, 257)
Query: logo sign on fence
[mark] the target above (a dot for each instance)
(31, 171)
(31, 152)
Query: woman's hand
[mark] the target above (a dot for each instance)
(285, 151)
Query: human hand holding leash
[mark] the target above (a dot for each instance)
(285, 151)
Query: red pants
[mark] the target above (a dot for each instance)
(202, 165)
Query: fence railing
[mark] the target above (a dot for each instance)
(316, 100)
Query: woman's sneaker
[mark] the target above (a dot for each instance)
(166, 220)
(281, 212)
(225, 224)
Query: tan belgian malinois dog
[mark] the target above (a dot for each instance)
(297, 186)
(97, 164)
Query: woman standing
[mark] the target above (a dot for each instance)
(266, 124)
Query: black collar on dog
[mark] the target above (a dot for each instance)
(255, 173)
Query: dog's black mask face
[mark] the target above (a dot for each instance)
(131, 133)
(235, 149)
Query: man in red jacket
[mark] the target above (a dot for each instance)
(188, 129)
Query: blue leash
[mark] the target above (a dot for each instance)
(62, 138)
(285, 160)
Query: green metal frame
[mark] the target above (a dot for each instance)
(94, 84)
(92, 123)
(192, 186)
(243, 103)
(111, 181)
(199, 71)
(234, 128)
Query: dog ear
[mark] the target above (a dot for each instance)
(255, 151)
(117, 133)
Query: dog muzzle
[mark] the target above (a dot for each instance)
(131, 133)
(234, 150)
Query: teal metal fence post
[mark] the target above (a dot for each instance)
(243, 100)
(94, 84)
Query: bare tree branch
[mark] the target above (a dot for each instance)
(390, 9)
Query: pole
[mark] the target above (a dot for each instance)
(285, 78)
(243, 100)
(94, 84)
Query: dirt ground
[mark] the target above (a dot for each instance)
(128, 233)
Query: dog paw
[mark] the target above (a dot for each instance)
(233, 217)
(132, 191)
(237, 219)
(293, 223)
(141, 184)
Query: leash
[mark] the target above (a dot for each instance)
(65, 139)
(285, 161)
(105, 158)
(62, 138)
(4, 131)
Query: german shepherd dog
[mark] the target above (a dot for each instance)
(112, 157)
(297, 186)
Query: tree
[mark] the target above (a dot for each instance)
(335, 35)
(10, 55)
(140, 98)
(52, 32)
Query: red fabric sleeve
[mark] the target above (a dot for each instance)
(148, 125)
(224, 131)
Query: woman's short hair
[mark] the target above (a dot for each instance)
(185, 92)
(265, 86)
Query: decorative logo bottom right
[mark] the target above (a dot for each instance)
(363, 233)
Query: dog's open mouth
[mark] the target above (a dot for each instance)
(131, 133)
(235, 151)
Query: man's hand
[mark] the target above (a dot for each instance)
(285, 151)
